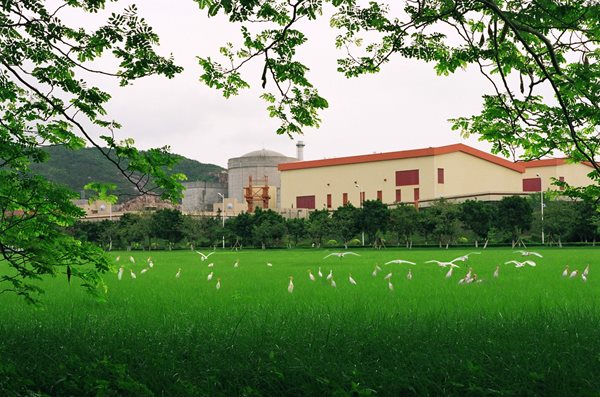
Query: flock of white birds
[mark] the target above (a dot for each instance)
(469, 278)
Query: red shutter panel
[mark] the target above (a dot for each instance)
(329, 201)
(417, 194)
(532, 184)
(440, 175)
(398, 195)
(307, 202)
(406, 178)
(344, 198)
(380, 195)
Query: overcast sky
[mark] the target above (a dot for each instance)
(406, 106)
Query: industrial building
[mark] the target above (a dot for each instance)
(455, 172)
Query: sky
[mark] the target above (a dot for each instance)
(405, 106)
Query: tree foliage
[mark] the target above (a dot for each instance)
(540, 58)
(46, 101)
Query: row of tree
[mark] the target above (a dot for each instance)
(511, 220)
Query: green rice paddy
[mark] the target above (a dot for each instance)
(528, 332)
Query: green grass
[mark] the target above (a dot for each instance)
(530, 332)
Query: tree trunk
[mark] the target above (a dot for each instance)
(476, 243)
(440, 243)
(486, 242)
(410, 244)
(513, 244)
(447, 244)
(559, 242)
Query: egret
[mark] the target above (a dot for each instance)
(330, 275)
(269, 264)
(210, 276)
(150, 264)
(374, 272)
(333, 284)
(236, 264)
(390, 285)
(352, 281)
(310, 275)
(400, 261)
(120, 274)
(204, 257)
(409, 276)
(565, 272)
(211, 265)
(144, 270)
(388, 276)
(291, 285)
(465, 257)
(586, 271)
(469, 275)
(132, 273)
(497, 272)
(527, 253)
(341, 254)
(583, 277)
(178, 273)
(149, 259)
(218, 283)
(449, 274)
(118, 258)
(574, 274)
(521, 264)
(443, 264)
(131, 259)
(377, 268)
(319, 273)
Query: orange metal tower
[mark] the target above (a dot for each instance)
(257, 196)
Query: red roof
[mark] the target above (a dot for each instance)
(404, 154)
(549, 163)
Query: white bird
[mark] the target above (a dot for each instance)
(178, 273)
(374, 272)
(409, 276)
(583, 277)
(341, 254)
(333, 284)
(132, 273)
(377, 268)
(210, 276)
(469, 275)
(465, 257)
(319, 273)
(352, 281)
(120, 274)
(390, 285)
(118, 258)
(497, 272)
(586, 271)
(449, 274)
(527, 253)
(150, 264)
(565, 272)
(144, 270)
(388, 276)
(218, 283)
(521, 264)
(211, 265)
(443, 264)
(310, 275)
(269, 264)
(291, 285)
(400, 261)
(131, 259)
(236, 264)
(574, 274)
(204, 257)
(149, 259)
(330, 275)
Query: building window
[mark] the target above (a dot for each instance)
(362, 198)
(307, 202)
(329, 201)
(532, 184)
(440, 175)
(344, 198)
(380, 195)
(417, 196)
(561, 179)
(398, 195)
(406, 178)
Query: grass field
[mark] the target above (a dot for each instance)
(529, 332)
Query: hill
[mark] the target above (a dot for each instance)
(76, 169)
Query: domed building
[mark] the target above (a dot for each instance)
(254, 177)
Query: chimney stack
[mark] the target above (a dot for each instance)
(300, 150)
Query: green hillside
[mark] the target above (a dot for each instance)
(75, 169)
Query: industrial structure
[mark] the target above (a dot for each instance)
(200, 196)
(455, 172)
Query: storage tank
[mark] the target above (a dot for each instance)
(257, 164)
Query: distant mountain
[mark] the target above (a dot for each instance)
(76, 169)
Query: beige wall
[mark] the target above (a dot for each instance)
(574, 174)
